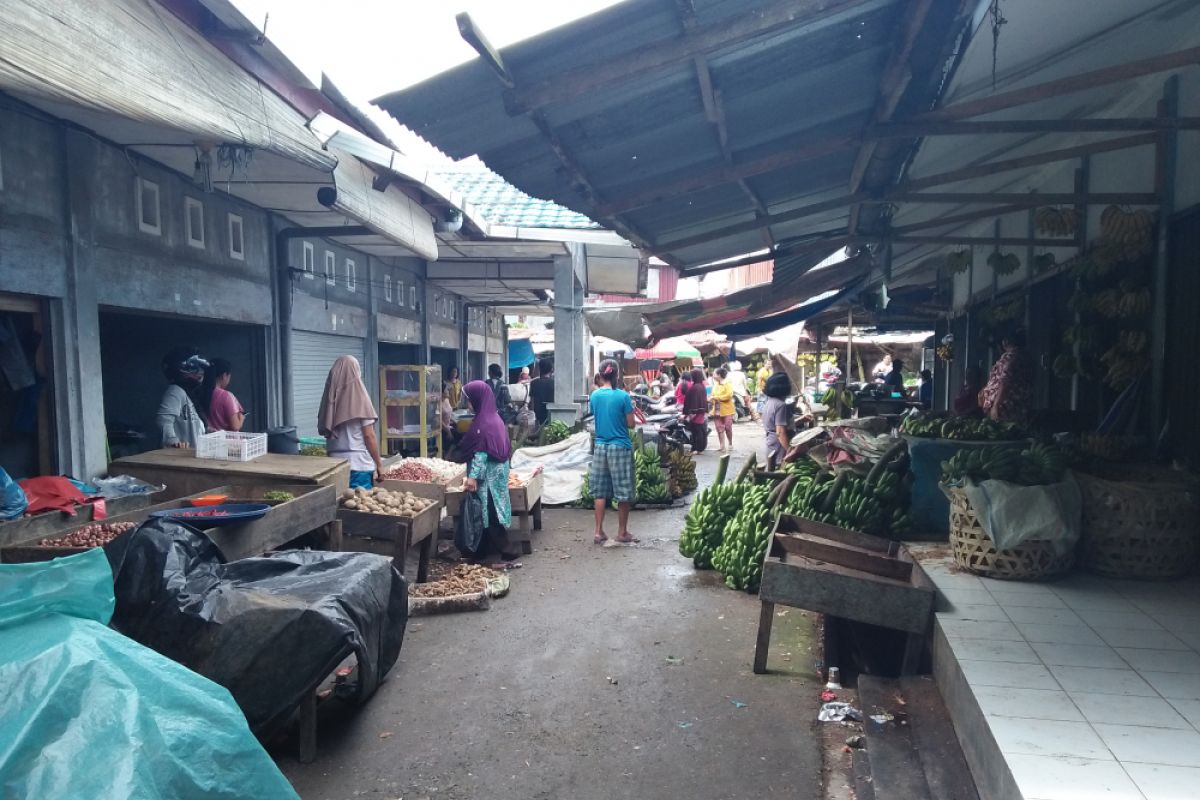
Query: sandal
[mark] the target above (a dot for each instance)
(627, 539)
(599, 539)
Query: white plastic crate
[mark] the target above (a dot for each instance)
(231, 446)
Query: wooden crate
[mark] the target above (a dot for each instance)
(390, 535)
(185, 475)
(526, 502)
(52, 523)
(844, 574)
(313, 507)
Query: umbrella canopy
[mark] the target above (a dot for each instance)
(676, 347)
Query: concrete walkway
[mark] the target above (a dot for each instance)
(605, 674)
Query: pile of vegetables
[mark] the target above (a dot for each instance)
(875, 503)
(963, 429)
(278, 496)
(312, 450)
(94, 535)
(452, 580)
(553, 432)
(740, 556)
(1038, 466)
(424, 470)
(681, 469)
(382, 501)
(650, 480)
(704, 527)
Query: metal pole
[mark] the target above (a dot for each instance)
(1167, 154)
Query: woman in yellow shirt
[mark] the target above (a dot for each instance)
(722, 398)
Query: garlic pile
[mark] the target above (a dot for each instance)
(382, 501)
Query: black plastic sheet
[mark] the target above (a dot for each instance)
(269, 629)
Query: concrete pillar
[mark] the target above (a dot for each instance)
(571, 373)
(75, 324)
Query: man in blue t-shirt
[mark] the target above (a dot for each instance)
(612, 456)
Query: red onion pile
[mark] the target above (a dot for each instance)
(94, 535)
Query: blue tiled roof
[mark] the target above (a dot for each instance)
(501, 203)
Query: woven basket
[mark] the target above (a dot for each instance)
(974, 551)
(1139, 529)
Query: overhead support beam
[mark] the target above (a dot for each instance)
(745, 261)
(473, 36)
(755, 224)
(1068, 85)
(919, 129)
(1036, 159)
(728, 174)
(1001, 241)
(798, 15)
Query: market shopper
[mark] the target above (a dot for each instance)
(612, 456)
(925, 393)
(541, 391)
(501, 393)
(454, 385)
(179, 423)
(486, 449)
(737, 380)
(681, 389)
(723, 410)
(966, 403)
(775, 415)
(220, 409)
(695, 411)
(1008, 395)
(346, 419)
(895, 378)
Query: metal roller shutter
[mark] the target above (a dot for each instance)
(312, 356)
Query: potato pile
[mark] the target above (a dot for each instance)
(94, 535)
(382, 501)
(449, 581)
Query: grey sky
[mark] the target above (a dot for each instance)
(371, 47)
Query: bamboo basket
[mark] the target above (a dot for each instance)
(974, 550)
(1139, 529)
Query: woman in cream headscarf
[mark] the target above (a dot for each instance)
(347, 421)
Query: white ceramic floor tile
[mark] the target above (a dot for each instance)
(993, 650)
(1007, 673)
(1058, 634)
(1010, 599)
(1078, 655)
(999, 701)
(983, 613)
(958, 580)
(1044, 616)
(1151, 745)
(1103, 681)
(1190, 709)
(1048, 778)
(1174, 685)
(1181, 623)
(1145, 660)
(1041, 737)
(1118, 619)
(970, 629)
(976, 597)
(1159, 782)
(1117, 709)
(1094, 601)
(1190, 638)
(1137, 637)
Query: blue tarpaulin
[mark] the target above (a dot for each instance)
(520, 353)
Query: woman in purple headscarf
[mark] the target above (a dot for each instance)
(486, 449)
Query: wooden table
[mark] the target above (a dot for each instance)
(54, 523)
(391, 535)
(843, 574)
(526, 502)
(312, 508)
(183, 474)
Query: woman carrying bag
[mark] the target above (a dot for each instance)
(695, 411)
(485, 449)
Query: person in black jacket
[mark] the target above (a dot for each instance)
(541, 391)
(499, 386)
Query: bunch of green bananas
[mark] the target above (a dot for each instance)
(683, 470)
(963, 429)
(740, 556)
(805, 469)
(706, 521)
(856, 508)
(1039, 465)
(650, 481)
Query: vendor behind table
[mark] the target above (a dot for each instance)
(346, 419)
(179, 423)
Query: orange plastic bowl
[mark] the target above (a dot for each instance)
(209, 500)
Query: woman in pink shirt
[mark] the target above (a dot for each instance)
(220, 408)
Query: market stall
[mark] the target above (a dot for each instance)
(184, 474)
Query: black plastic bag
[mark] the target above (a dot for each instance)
(468, 533)
(269, 629)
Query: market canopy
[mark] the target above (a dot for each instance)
(668, 349)
(699, 131)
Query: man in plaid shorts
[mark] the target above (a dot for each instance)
(612, 457)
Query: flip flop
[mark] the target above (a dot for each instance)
(629, 540)
(601, 539)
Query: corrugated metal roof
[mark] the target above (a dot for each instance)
(501, 203)
(814, 77)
